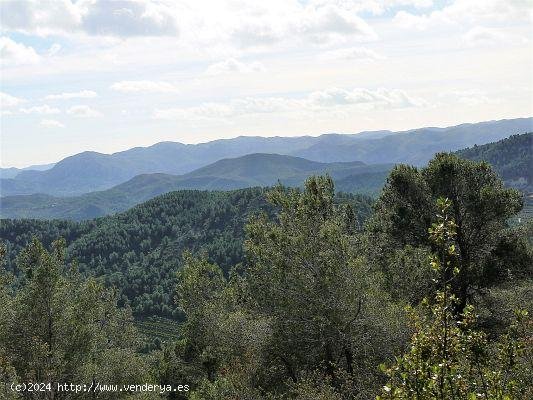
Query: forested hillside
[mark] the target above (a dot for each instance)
(139, 251)
(228, 174)
(512, 158)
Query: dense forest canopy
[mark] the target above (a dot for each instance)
(139, 251)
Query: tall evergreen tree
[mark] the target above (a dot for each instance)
(481, 206)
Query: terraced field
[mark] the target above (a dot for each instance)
(527, 211)
(161, 328)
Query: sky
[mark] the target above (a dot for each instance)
(108, 75)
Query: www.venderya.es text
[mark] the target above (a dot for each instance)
(95, 387)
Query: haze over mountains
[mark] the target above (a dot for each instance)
(512, 158)
(11, 172)
(228, 174)
(91, 171)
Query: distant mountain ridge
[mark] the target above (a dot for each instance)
(417, 146)
(11, 172)
(228, 174)
(512, 158)
(92, 171)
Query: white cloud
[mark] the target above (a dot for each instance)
(82, 94)
(476, 100)
(319, 101)
(51, 123)
(232, 65)
(7, 100)
(256, 34)
(83, 111)
(225, 23)
(252, 23)
(122, 18)
(378, 7)
(206, 110)
(321, 21)
(13, 53)
(479, 36)
(488, 10)
(41, 16)
(144, 87)
(468, 12)
(410, 21)
(44, 109)
(198, 23)
(379, 98)
(234, 108)
(53, 50)
(352, 53)
(470, 97)
(130, 18)
(316, 22)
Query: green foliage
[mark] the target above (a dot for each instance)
(283, 296)
(512, 158)
(139, 251)
(221, 344)
(448, 358)
(58, 328)
(481, 207)
(304, 274)
(159, 328)
(303, 306)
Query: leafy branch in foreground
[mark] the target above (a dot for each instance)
(448, 357)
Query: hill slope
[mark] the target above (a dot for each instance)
(512, 158)
(228, 174)
(90, 171)
(138, 251)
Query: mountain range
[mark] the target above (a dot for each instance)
(512, 158)
(91, 171)
(138, 250)
(228, 174)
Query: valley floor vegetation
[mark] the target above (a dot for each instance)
(281, 294)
